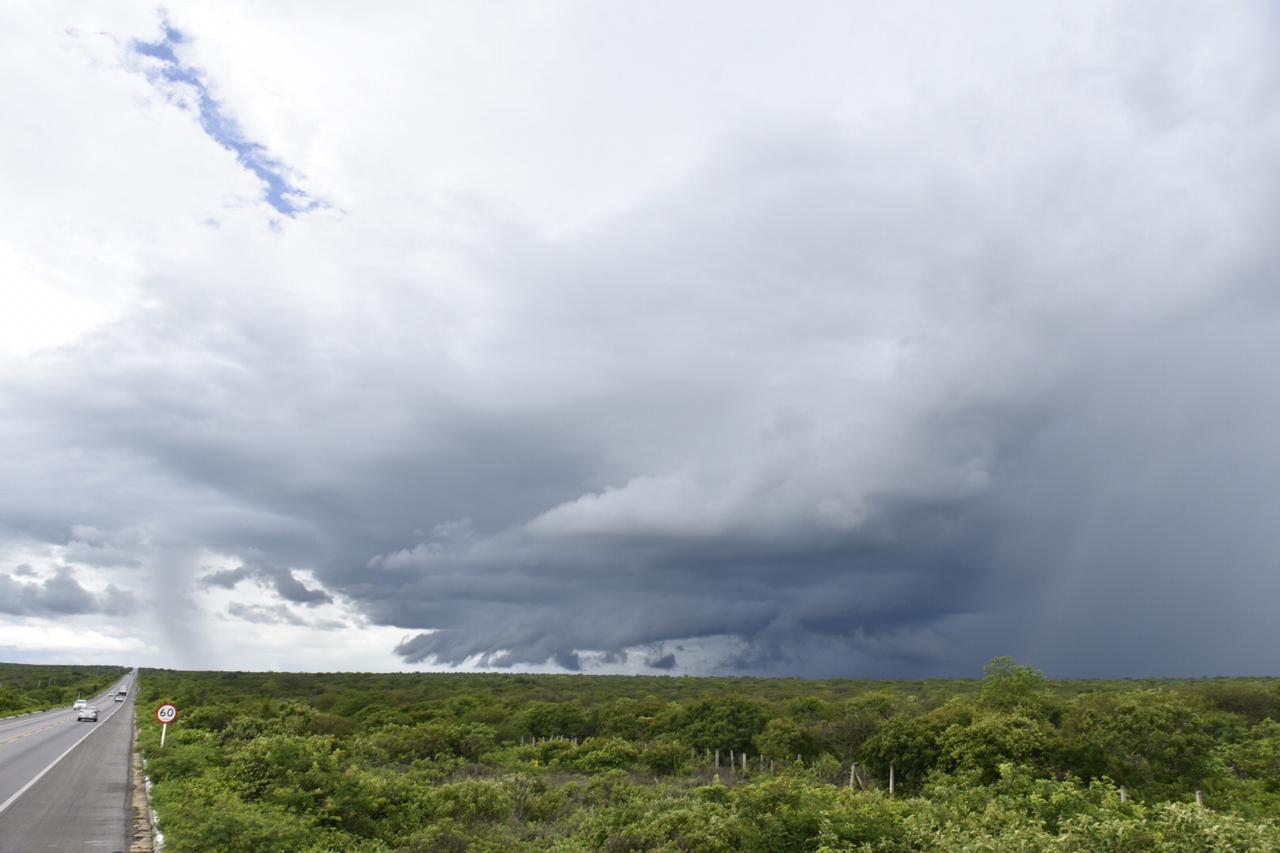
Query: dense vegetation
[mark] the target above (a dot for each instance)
(289, 762)
(28, 687)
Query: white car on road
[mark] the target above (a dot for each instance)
(80, 703)
(87, 714)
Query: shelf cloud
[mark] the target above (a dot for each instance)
(677, 348)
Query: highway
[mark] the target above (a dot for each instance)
(64, 785)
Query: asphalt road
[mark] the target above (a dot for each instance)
(64, 785)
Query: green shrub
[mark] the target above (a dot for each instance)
(224, 822)
(471, 801)
(665, 757)
(784, 739)
(598, 754)
(387, 762)
(722, 722)
(1151, 739)
(399, 744)
(993, 740)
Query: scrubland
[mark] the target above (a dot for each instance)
(485, 762)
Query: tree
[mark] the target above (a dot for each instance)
(1006, 686)
(1143, 738)
(783, 738)
(858, 720)
(993, 740)
(910, 744)
(722, 722)
(554, 719)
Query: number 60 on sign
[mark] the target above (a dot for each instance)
(165, 715)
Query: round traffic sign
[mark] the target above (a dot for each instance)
(166, 713)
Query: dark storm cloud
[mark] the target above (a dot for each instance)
(667, 661)
(59, 595)
(283, 581)
(878, 399)
(523, 602)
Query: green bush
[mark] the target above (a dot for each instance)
(722, 722)
(471, 801)
(1151, 739)
(201, 817)
(400, 744)
(666, 757)
(554, 719)
(598, 754)
(784, 739)
(397, 762)
(992, 740)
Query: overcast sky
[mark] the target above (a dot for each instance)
(794, 338)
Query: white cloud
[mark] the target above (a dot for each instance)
(62, 642)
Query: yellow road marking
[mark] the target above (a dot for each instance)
(31, 732)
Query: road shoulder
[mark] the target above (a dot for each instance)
(141, 839)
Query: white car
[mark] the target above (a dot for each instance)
(120, 696)
(87, 714)
(80, 703)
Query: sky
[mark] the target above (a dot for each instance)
(806, 339)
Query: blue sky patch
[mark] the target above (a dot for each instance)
(281, 193)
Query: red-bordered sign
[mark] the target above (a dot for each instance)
(166, 714)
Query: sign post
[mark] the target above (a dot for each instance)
(165, 715)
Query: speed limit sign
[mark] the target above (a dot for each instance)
(165, 715)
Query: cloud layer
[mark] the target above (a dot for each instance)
(58, 595)
(283, 581)
(912, 338)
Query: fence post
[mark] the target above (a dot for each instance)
(717, 759)
(891, 778)
(1200, 798)
(1124, 795)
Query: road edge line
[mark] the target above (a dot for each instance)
(18, 793)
